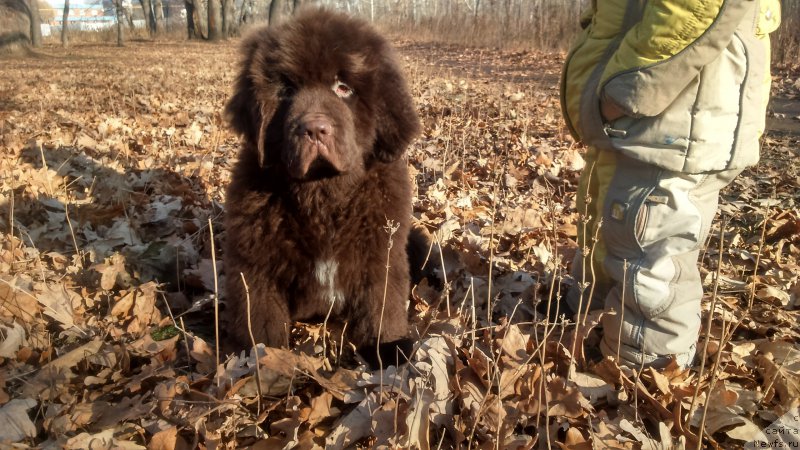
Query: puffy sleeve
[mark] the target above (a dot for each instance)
(662, 53)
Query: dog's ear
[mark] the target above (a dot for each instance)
(241, 111)
(246, 114)
(249, 117)
(397, 122)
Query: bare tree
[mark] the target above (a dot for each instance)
(149, 19)
(786, 39)
(65, 25)
(297, 4)
(229, 23)
(214, 20)
(158, 9)
(200, 19)
(275, 12)
(15, 26)
(191, 31)
(36, 23)
(118, 7)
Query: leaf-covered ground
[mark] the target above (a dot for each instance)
(112, 175)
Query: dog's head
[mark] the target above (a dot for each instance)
(321, 95)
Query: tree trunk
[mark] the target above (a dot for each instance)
(118, 7)
(65, 25)
(507, 17)
(147, 12)
(200, 19)
(275, 12)
(229, 24)
(214, 20)
(129, 17)
(224, 21)
(191, 33)
(158, 9)
(36, 23)
(234, 14)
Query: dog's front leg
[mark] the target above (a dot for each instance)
(382, 330)
(258, 310)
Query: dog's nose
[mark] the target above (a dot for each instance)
(317, 128)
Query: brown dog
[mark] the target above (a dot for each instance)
(320, 196)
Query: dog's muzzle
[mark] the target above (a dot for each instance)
(313, 151)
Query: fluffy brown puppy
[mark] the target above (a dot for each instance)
(325, 117)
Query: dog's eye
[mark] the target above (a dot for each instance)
(287, 90)
(286, 87)
(342, 90)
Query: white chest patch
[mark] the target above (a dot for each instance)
(325, 273)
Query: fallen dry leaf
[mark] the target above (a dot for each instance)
(418, 419)
(58, 303)
(17, 424)
(353, 426)
(13, 337)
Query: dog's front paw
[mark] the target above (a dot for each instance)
(392, 353)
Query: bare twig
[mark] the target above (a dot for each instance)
(216, 293)
(709, 321)
(69, 224)
(325, 326)
(715, 371)
(444, 274)
(253, 342)
(622, 307)
(391, 228)
(186, 344)
(595, 240)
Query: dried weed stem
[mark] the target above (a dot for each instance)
(391, 228)
(216, 294)
(709, 320)
(253, 342)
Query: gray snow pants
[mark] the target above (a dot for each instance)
(654, 222)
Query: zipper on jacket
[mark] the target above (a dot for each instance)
(614, 132)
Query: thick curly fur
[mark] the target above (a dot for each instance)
(326, 118)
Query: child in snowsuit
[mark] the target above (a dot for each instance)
(670, 97)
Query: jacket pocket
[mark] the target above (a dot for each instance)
(625, 219)
(662, 141)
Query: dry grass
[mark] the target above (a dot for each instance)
(543, 33)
